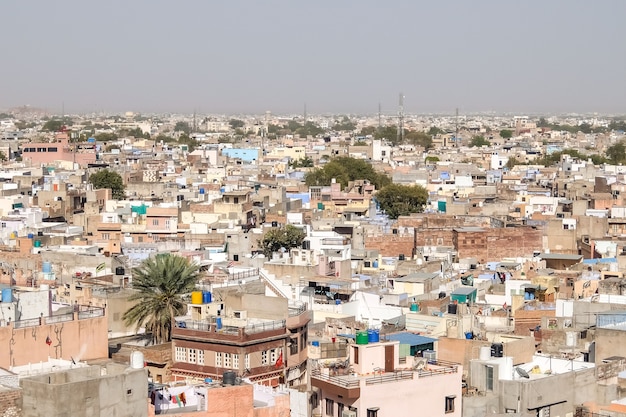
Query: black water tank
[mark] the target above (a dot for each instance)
(229, 378)
(119, 270)
(274, 224)
(401, 257)
(306, 244)
(497, 349)
(452, 308)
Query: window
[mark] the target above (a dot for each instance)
(106, 236)
(155, 222)
(200, 357)
(181, 354)
(236, 201)
(340, 407)
(293, 348)
(168, 223)
(52, 149)
(273, 355)
(227, 361)
(355, 355)
(218, 359)
(330, 404)
(264, 358)
(247, 361)
(543, 412)
(192, 355)
(450, 403)
(235, 361)
(489, 378)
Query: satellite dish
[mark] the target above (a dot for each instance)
(586, 284)
(420, 365)
(522, 373)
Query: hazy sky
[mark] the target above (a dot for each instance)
(227, 56)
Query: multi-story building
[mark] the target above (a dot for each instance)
(258, 337)
(377, 382)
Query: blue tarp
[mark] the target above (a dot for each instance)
(599, 261)
(410, 339)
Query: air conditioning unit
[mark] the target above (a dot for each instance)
(348, 413)
(240, 314)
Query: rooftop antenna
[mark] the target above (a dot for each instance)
(401, 119)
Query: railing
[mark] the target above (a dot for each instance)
(439, 368)
(20, 324)
(389, 377)
(60, 318)
(90, 312)
(346, 382)
(264, 327)
(296, 311)
(243, 274)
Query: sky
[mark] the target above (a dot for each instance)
(334, 56)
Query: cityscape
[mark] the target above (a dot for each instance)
(283, 209)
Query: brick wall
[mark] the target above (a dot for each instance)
(391, 245)
(498, 243)
(10, 402)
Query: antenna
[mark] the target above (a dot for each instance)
(380, 124)
(401, 119)
(456, 128)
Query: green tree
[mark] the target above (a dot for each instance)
(286, 237)
(305, 162)
(512, 162)
(367, 131)
(138, 133)
(419, 139)
(160, 283)
(478, 141)
(3, 157)
(236, 123)
(401, 200)
(345, 169)
(387, 132)
(191, 143)
(344, 124)
(106, 137)
(182, 127)
(432, 159)
(108, 179)
(53, 125)
(434, 130)
(506, 134)
(616, 153)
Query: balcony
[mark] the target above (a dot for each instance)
(209, 332)
(346, 386)
(109, 226)
(298, 316)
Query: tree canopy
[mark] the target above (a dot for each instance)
(401, 200)
(478, 141)
(182, 127)
(236, 123)
(419, 139)
(506, 134)
(616, 153)
(286, 237)
(345, 169)
(108, 179)
(160, 282)
(55, 125)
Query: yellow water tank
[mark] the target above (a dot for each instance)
(196, 297)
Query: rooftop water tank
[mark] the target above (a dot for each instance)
(196, 297)
(485, 353)
(46, 267)
(136, 360)
(229, 378)
(361, 338)
(206, 297)
(7, 295)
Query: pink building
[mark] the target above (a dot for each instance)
(375, 382)
(60, 149)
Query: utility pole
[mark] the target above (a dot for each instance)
(456, 129)
(380, 122)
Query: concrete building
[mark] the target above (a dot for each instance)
(377, 382)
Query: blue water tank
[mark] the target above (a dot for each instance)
(7, 295)
(218, 323)
(222, 189)
(30, 235)
(337, 302)
(206, 297)
(526, 296)
(208, 380)
(46, 267)
(315, 343)
(375, 264)
(201, 190)
(373, 336)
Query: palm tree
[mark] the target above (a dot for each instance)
(160, 283)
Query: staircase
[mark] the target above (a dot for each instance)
(270, 281)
